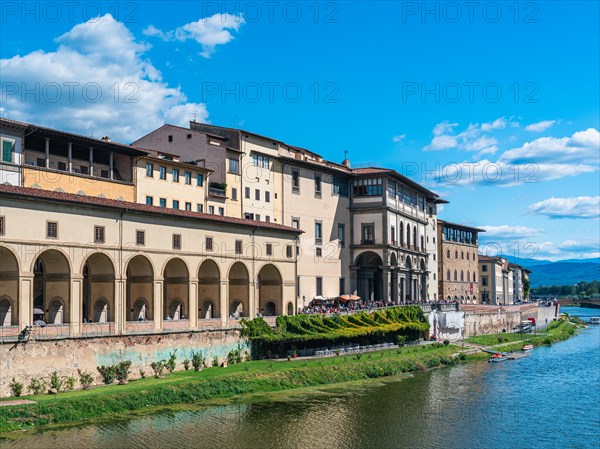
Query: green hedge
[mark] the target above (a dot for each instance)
(313, 331)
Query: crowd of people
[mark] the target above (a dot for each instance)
(341, 307)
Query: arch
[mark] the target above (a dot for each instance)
(209, 289)
(407, 234)
(369, 276)
(393, 260)
(52, 287)
(140, 289)
(9, 287)
(98, 289)
(176, 289)
(270, 290)
(423, 266)
(239, 290)
(290, 308)
(408, 263)
(101, 311)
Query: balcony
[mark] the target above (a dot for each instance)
(218, 189)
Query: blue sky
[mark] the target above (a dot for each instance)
(496, 108)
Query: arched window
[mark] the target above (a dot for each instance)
(455, 275)
(448, 254)
(401, 233)
(462, 276)
(462, 254)
(467, 255)
(448, 275)
(468, 275)
(456, 254)
(474, 277)
(408, 234)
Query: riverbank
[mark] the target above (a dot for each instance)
(211, 383)
(188, 387)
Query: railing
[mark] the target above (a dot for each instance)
(96, 329)
(217, 192)
(134, 327)
(51, 331)
(176, 325)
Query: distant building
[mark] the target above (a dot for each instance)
(520, 277)
(458, 262)
(496, 281)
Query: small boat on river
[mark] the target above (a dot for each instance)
(527, 347)
(595, 320)
(498, 357)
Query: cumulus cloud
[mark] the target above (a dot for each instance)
(399, 138)
(473, 138)
(208, 32)
(575, 207)
(540, 126)
(509, 232)
(96, 82)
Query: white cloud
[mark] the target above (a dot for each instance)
(568, 249)
(96, 82)
(575, 207)
(208, 32)
(398, 138)
(508, 232)
(473, 138)
(540, 126)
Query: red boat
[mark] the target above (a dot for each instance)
(527, 347)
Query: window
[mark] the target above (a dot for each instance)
(189, 136)
(63, 166)
(319, 251)
(211, 210)
(175, 173)
(221, 211)
(257, 217)
(462, 276)
(200, 208)
(318, 231)
(269, 249)
(448, 275)
(342, 234)
(288, 251)
(455, 275)
(52, 230)
(296, 223)
(474, 277)
(462, 255)
(149, 170)
(456, 254)
(176, 241)
(248, 216)
(342, 286)
(2, 226)
(170, 138)
(484, 281)
(340, 186)
(8, 150)
(260, 160)
(295, 180)
(163, 202)
(140, 238)
(268, 197)
(368, 234)
(209, 244)
(393, 234)
(234, 166)
(188, 178)
(84, 169)
(234, 194)
(268, 218)
(98, 234)
(149, 201)
(448, 254)
(238, 247)
(199, 180)
(257, 194)
(368, 187)
(319, 286)
(484, 268)
(468, 276)
(175, 204)
(467, 255)
(188, 206)
(162, 172)
(247, 192)
(318, 185)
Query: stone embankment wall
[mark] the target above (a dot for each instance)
(480, 319)
(38, 359)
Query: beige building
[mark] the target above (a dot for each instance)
(458, 271)
(95, 266)
(496, 280)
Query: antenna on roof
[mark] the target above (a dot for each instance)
(195, 114)
(345, 154)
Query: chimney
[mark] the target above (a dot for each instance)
(346, 163)
(106, 139)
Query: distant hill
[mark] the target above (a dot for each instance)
(561, 272)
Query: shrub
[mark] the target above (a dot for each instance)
(197, 360)
(186, 364)
(142, 373)
(358, 356)
(446, 342)
(400, 340)
(108, 373)
(234, 357)
(158, 368)
(122, 371)
(170, 365)
(85, 379)
(462, 356)
(56, 381)
(215, 361)
(70, 382)
(37, 386)
(16, 387)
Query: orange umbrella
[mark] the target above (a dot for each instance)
(349, 298)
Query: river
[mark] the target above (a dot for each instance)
(548, 400)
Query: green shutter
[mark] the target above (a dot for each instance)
(7, 149)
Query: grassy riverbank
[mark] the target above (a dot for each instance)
(557, 331)
(212, 383)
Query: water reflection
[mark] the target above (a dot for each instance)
(550, 399)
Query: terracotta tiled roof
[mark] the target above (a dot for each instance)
(126, 205)
(371, 171)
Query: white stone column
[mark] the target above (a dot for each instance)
(91, 161)
(224, 301)
(47, 153)
(25, 301)
(193, 303)
(158, 305)
(111, 165)
(120, 312)
(70, 157)
(75, 305)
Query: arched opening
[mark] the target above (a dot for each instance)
(9, 288)
(239, 294)
(140, 289)
(270, 290)
(415, 236)
(290, 308)
(176, 290)
(394, 277)
(409, 293)
(401, 233)
(98, 289)
(369, 276)
(51, 288)
(407, 234)
(209, 291)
